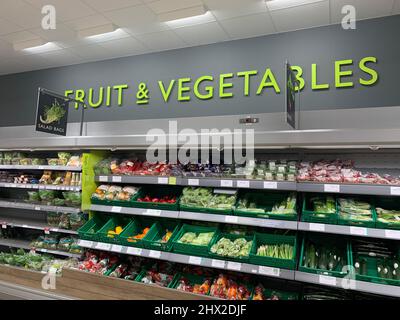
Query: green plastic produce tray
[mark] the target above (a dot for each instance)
(324, 240)
(281, 294)
(388, 204)
(114, 203)
(191, 249)
(143, 273)
(262, 239)
(156, 233)
(231, 237)
(266, 201)
(159, 193)
(206, 210)
(111, 224)
(135, 227)
(358, 223)
(95, 224)
(372, 273)
(308, 215)
(193, 279)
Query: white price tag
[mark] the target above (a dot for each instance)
(317, 227)
(116, 248)
(231, 219)
(153, 212)
(154, 254)
(4, 226)
(393, 234)
(46, 231)
(116, 209)
(234, 266)
(103, 246)
(54, 229)
(103, 178)
(42, 187)
(193, 182)
(358, 231)
(227, 183)
(218, 263)
(270, 185)
(331, 188)
(243, 184)
(327, 280)
(85, 243)
(43, 250)
(275, 272)
(38, 208)
(195, 260)
(163, 180)
(13, 185)
(41, 168)
(395, 191)
(53, 270)
(116, 179)
(134, 251)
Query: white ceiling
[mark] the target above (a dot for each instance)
(141, 32)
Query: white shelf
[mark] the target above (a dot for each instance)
(26, 224)
(192, 260)
(201, 182)
(363, 286)
(37, 207)
(41, 167)
(221, 218)
(39, 186)
(350, 230)
(26, 245)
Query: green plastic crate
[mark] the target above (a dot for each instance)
(261, 239)
(94, 224)
(143, 273)
(157, 192)
(136, 226)
(114, 203)
(372, 273)
(266, 201)
(111, 224)
(193, 279)
(206, 210)
(191, 249)
(309, 215)
(342, 243)
(157, 231)
(281, 294)
(359, 223)
(231, 237)
(388, 204)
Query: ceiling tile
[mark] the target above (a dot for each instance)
(278, 5)
(163, 40)
(202, 34)
(61, 58)
(87, 22)
(138, 20)
(161, 6)
(248, 26)
(107, 5)
(301, 17)
(124, 47)
(20, 36)
(90, 52)
(8, 27)
(60, 34)
(364, 8)
(225, 9)
(21, 13)
(66, 10)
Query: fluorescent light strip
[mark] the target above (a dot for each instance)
(182, 14)
(191, 21)
(97, 31)
(47, 47)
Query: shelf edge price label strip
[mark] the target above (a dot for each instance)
(237, 266)
(195, 260)
(395, 191)
(270, 185)
(316, 227)
(154, 254)
(392, 234)
(227, 183)
(134, 251)
(116, 248)
(153, 212)
(103, 246)
(231, 219)
(218, 263)
(85, 243)
(358, 231)
(268, 271)
(243, 184)
(331, 188)
(327, 280)
(116, 209)
(193, 182)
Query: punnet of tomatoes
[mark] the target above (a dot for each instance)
(164, 199)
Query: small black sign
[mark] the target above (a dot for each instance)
(52, 114)
(290, 96)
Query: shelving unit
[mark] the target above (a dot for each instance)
(28, 224)
(12, 243)
(192, 260)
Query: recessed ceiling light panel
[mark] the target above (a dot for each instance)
(182, 14)
(284, 4)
